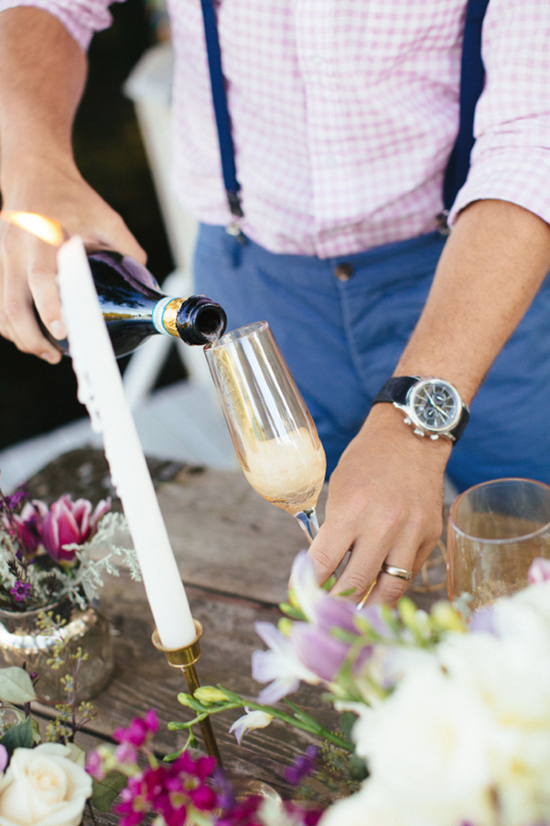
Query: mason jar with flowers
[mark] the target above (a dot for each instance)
(52, 562)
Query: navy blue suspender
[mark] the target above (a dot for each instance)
(471, 85)
(472, 77)
(219, 98)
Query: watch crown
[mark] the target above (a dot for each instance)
(419, 432)
(407, 420)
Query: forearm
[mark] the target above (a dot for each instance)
(386, 495)
(491, 268)
(41, 83)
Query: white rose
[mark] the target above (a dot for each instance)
(427, 747)
(367, 807)
(43, 787)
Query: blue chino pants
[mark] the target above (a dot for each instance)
(342, 324)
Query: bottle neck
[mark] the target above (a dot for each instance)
(164, 316)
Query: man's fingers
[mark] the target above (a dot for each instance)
(45, 293)
(329, 548)
(17, 317)
(115, 235)
(391, 586)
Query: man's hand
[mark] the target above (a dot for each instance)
(385, 504)
(386, 495)
(41, 83)
(28, 266)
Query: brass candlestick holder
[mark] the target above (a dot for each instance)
(185, 659)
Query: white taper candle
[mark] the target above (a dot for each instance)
(100, 388)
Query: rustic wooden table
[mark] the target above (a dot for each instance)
(234, 553)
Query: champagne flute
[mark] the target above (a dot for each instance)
(495, 530)
(272, 431)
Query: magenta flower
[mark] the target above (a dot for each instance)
(539, 571)
(20, 590)
(126, 753)
(4, 757)
(140, 730)
(70, 523)
(28, 526)
(169, 791)
(94, 765)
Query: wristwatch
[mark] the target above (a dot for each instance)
(432, 407)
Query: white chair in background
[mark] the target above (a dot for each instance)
(183, 420)
(149, 87)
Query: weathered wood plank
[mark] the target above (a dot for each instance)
(143, 679)
(234, 552)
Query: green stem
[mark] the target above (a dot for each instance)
(300, 720)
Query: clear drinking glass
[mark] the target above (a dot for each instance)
(272, 431)
(495, 530)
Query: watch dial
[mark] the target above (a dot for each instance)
(435, 405)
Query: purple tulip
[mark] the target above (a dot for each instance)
(70, 523)
(29, 526)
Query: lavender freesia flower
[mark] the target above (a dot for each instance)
(311, 652)
(318, 651)
(249, 722)
(304, 585)
(280, 665)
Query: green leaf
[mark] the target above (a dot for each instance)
(106, 790)
(20, 736)
(16, 686)
(347, 721)
(357, 768)
(292, 611)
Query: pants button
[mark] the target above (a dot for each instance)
(343, 272)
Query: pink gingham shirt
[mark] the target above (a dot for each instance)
(344, 113)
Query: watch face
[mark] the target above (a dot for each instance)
(434, 404)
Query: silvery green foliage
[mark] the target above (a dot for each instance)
(105, 553)
(100, 555)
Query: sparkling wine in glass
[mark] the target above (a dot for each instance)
(495, 530)
(273, 434)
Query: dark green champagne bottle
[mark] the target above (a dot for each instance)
(135, 308)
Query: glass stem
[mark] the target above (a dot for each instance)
(308, 522)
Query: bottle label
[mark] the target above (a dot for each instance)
(163, 316)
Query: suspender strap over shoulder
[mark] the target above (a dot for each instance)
(472, 78)
(223, 123)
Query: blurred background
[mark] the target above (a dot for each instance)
(37, 397)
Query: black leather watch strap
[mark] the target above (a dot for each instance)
(458, 429)
(395, 389)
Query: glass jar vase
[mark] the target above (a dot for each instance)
(24, 643)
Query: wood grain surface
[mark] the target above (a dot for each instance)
(234, 553)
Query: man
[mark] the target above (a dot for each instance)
(343, 116)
